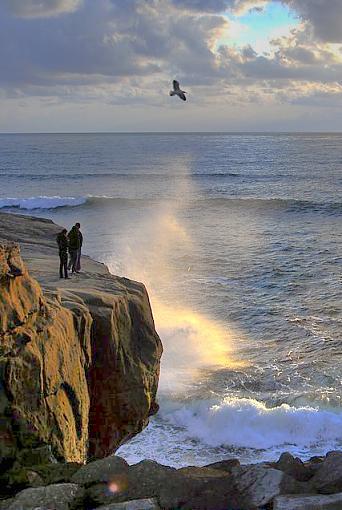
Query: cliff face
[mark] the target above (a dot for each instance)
(79, 364)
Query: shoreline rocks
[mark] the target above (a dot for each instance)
(112, 484)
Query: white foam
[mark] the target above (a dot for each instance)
(248, 423)
(41, 202)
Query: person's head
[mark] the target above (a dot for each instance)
(64, 231)
(78, 225)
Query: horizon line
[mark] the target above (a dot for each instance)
(268, 132)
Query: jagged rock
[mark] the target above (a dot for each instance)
(17, 479)
(144, 480)
(5, 503)
(224, 465)
(187, 488)
(259, 484)
(66, 496)
(43, 378)
(36, 456)
(328, 478)
(293, 467)
(56, 473)
(104, 470)
(309, 502)
(138, 504)
(79, 360)
(202, 489)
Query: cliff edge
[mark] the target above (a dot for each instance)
(79, 358)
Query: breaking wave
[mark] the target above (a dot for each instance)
(245, 422)
(288, 205)
(41, 202)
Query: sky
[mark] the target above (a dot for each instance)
(107, 65)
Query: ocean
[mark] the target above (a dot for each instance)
(237, 238)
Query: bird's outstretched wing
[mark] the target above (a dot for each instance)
(182, 96)
(175, 85)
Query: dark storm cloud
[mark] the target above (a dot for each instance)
(59, 46)
(84, 43)
(108, 38)
(324, 15)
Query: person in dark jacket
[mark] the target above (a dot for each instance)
(63, 244)
(80, 239)
(74, 246)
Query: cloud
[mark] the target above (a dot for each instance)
(41, 8)
(219, 6)
(325, 17)
(119, 52)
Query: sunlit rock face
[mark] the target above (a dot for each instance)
(44, 395)
(79, 367)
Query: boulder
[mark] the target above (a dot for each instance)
(34, 456)
(66, 496)
(202, 489)
(56, 473)
(293, 467)
(328, 478)
(137, 504)
(104, 470)
(188, 488)
(309, 502)
(224, 465)
(144, 480)
(258, 484)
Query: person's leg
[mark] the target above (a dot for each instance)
(78, 261)
(61, 265)
(73, 255)
(65, 265)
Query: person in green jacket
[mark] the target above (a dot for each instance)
(74, 246)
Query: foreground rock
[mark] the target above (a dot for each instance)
(79, 359)
(332, 502)
(111, 484)
(65, 496)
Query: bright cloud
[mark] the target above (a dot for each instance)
(229, 53)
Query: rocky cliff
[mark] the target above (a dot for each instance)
(79, 359)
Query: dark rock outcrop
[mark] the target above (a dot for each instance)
(79, 364)
(111, 484)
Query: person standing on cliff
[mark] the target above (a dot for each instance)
(80, 242)
(63, 244)
(74, 246)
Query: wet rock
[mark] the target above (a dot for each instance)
(143, 480)
(328, 478)
(309, 502)
(187, 488)
(224, 465)
(293, 467)
(106, 470)
(259, 484)
(202, 489)
(65, 496)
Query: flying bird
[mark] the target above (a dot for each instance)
(177, 91)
